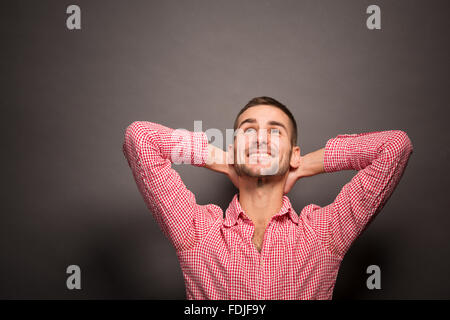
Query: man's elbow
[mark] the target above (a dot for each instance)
(131, 130)
(131, 139)
(134, 133)
(402, 142)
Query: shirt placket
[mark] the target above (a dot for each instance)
(263, 263)
(250, 230)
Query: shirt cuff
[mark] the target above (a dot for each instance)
(199, 154)
(337, 153)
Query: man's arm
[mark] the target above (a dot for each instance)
(380, 159)
(150, 150)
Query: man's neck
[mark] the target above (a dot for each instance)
(261, 198)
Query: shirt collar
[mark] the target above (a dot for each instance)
(234, 210)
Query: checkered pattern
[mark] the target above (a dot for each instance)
(301, 254)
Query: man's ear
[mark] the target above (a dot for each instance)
(295, 157)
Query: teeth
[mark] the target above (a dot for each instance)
(261, 158)
(260, 155)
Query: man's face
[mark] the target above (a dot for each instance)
(263, 142)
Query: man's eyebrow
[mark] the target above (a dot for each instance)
(249, 120)
(276, 123)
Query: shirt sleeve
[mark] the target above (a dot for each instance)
(150, 150)
(380, 159)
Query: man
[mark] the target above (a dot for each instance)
(261, 248)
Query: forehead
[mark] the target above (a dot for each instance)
(263, 114)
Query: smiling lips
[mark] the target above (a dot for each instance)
(260, 152)
(260, 156)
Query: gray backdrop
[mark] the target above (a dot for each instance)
(67, 97)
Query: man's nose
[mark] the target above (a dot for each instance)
(263, 138)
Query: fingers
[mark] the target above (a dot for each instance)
(230, 156)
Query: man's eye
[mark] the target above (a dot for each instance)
(249, 131)
(275, 131)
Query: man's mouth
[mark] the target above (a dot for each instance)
(256, 155)
(260, 152)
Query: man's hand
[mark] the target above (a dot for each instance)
(291, 180)
(310, 165)
(233, 175)
(220, 161)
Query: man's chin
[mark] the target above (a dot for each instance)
(257, 170)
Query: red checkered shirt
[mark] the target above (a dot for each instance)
(301, 254)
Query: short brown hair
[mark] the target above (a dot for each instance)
(271, 102)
